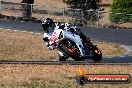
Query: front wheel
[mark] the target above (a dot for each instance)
(70, 48)
(62, 58)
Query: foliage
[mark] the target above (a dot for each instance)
(80, 13)
(83, 4)
(124, 7)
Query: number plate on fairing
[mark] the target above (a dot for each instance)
(54, 37)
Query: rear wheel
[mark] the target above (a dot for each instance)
(97, 58)
(97, 55)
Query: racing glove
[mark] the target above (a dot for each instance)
(46, 39)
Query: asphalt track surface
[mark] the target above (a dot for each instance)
(120, 36)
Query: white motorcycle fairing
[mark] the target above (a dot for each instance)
(75, 38)
(53, 36)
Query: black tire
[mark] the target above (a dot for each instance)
(97, 57)
(81, 80)
(62, 58)
(76, 57)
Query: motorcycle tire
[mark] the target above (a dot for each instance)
(62, 58)
(97, 56)
(76, 57)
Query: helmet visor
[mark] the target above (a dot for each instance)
(45, 27)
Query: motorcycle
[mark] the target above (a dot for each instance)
(69, 44)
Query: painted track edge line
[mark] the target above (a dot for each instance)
(20, 31)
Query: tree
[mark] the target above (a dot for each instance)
(123, 8)
(82, 16)
(83, 4)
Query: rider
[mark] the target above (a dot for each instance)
(49, 25)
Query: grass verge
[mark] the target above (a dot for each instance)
(27, 46)
(56, 76)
